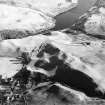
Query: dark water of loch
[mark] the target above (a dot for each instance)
(65, 74)
(65, 20)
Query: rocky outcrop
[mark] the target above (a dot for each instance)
(93, 21)
(20, 22)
